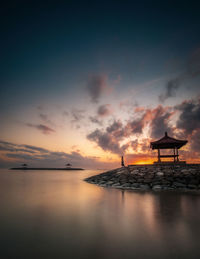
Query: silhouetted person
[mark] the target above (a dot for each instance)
(122, 161)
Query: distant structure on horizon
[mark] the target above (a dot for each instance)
(168, 143)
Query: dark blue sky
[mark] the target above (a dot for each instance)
(39, 39)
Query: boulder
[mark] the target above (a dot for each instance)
(159, 173)
(144, 187)
(157, 187)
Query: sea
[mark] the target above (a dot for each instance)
(56, 214)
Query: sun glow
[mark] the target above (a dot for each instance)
(144, 162)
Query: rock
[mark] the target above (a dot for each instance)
(157, 187)
(135, 185)
(147, 181)
(179, 185)
(192, 186)
(184, 170)
(102, 182)
(156, 182)
(159, 173)
(116, 184)
(144, 187)
(103, 185)
(132, 180)
(126, 185)
(140, 180)
(166, 188)
(109, 182)
(134, 188)
(134, 171)
(105, 177)
(165, 182)
(194, 182)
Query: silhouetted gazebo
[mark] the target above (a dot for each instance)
(168, 143)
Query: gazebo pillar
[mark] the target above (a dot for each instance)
(174, 155)
(158, 155)
(177, 154)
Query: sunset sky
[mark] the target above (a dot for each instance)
(86, 82)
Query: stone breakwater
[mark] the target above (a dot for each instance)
(151, 177)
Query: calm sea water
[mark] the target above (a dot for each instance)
(55, 214)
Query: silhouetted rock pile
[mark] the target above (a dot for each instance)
(151, 177)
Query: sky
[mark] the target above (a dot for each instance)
(85, 82)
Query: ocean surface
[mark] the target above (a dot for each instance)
(55, 214)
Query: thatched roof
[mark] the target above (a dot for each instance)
(168, 142)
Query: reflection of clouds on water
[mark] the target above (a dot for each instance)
(162, 221)
(60, 215)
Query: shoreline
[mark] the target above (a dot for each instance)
(185, 177)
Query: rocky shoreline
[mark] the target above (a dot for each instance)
(151, 177)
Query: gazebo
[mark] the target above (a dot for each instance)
(168, 143)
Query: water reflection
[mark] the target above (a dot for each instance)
(57, 215)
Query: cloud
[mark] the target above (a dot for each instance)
(41, 127)
(192, 69)
(6, 146)
(193, 64)
(20, 156)
(135, 126)
(104, 110)
(77, 115)
(107, 141)
(170, 90)
(114, 127)
(14, 154)
(195, 140)
(39, 149)
(43, 116)
(134, 144)
(40, 107)
(110, 139)
(157, 119)
(95, 120)
(189, 118)
(160, 121)
(96, 85)
(65, 113)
